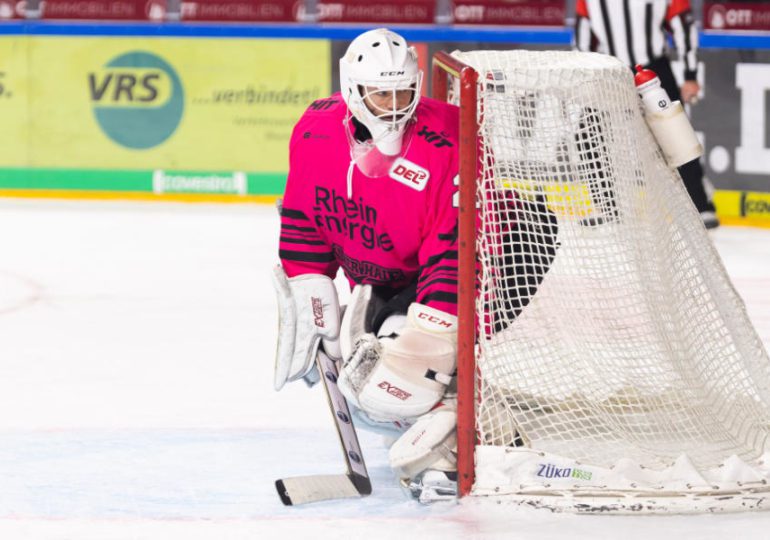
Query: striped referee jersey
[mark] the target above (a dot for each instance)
(636, 31)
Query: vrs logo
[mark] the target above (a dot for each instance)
(138, 99)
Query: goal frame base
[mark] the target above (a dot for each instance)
(633, 504)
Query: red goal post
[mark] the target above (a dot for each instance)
(444, 67)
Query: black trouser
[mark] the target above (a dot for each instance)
(692, 172)
(594, 168)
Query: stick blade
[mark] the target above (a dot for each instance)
(322, 487)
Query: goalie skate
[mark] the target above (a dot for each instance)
(432, 486)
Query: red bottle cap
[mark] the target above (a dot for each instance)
(643, 75)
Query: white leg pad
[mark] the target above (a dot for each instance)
(429, 444)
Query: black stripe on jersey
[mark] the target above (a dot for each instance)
(581, 27)
(648, 31)
(449, 269)
(445, 274)
(686, 28)
(297, 228)
(447, 281)
(297, 234)
(288, 240)
(629, 32)
(439, 296)
(434, 279)
(306, 256)
(451, 236)
(450, 254)
(293, 214)
(646, 27)
(607, 27)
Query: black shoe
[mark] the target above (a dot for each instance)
(710, 219)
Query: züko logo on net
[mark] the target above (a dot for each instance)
(138, 99)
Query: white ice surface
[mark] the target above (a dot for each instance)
(136, 401)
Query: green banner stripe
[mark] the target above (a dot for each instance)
(124, 180)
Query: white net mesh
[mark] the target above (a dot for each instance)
(609, 327)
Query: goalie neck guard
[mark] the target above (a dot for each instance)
(380, 83)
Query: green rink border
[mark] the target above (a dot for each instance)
(156, 182)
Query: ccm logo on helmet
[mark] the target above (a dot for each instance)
(391, 73)
(409, 174)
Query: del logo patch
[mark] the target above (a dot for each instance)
(409, 174)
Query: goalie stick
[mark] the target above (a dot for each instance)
(355, 482)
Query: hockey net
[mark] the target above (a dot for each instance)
(607, 363)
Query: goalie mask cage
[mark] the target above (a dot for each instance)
(605, 361)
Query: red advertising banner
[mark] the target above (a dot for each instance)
(510, 12)
(12, 9)
(240, 10)
(736, 15)
(376, 11)
(115, 10)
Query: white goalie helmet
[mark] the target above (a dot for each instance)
(376, 63)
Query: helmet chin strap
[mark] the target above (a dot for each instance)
(388, 141)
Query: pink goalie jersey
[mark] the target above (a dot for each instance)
(387, 231)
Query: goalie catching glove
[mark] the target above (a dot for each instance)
(400, 374)
(309, 314)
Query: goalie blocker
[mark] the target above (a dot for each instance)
(308, 315)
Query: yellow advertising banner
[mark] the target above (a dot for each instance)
(155, 103)
(14, 101)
